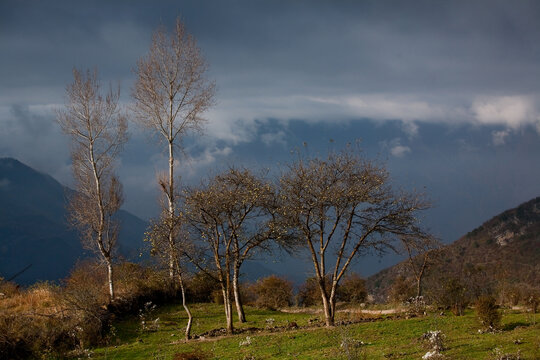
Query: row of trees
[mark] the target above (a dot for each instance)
(337, 207)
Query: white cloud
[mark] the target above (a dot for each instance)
(400, 150)
(196, 164)
(237, 120)
(410, 128)
(274, 138)
(511, 111)
(499, 137)
(396, 148)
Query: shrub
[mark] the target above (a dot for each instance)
(84, 297)
(134, 281)
(402, 289)
(200, 287)
(449, 293)
(512, 295)
(217, 296)
(8, 288)
(273, 292)
(487, 312)
(352, 289)
(32, 323)
(532, 299)
(309, 293)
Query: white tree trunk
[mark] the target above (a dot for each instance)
(237, 298)
(110, 277)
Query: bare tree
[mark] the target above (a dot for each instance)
(345, 206)
(98, 130)
(422, 253)
(171, 93)
(158, 236)
(232, 214)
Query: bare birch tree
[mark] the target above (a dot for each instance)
(232, 214)
(98, 130)
(344, 206)
(171, 93)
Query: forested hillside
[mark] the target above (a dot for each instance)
(502, 252)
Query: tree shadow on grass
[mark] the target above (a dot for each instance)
(511, 326)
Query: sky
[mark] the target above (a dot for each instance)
(445, 94)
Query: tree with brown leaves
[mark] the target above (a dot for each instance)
(233, 216)
(98, 130)
(171, 93)
(343, 206)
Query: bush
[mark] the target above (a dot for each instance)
(272, 292)
(309, 293)
(8, 288)
(217, 296)
(487, 312)
(352, 289)
(32, 324)
(200, 288)
(532, 299)
(512, 295)
(84, 296)
(402, 289)
(449, 293)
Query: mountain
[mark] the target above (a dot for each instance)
(34, 231)
(506, 249)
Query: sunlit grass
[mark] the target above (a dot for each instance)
(384, 339)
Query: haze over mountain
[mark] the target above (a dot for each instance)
(34, 230)
(506, 249)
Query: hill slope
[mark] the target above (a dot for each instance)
(507, 248)
(33, 228)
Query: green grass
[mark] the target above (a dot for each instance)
(385, 339)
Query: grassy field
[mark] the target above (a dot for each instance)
(386, 338)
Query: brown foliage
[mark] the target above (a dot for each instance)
(49, 319)
(487, 312)
(402, 289)
(309, 293)
(34, 322)
(272, 292)
(451, 293)
(201, 287)
(352, 289)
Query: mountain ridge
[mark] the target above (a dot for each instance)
(28, 196)
(506, 248)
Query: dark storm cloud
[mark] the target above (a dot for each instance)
(364, 46)
(406, 76)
